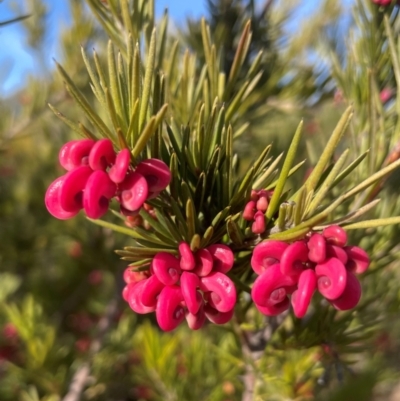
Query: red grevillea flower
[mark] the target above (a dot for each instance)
(166, 267)
(99, 189)
(169, 312)
(75, 154)
(71, 191)
(204, 263)
(358, 259)
(222, 289)
(190, 283)
(187, 261)
(293, 258)
(249, 210)
(317, 248)
(272, 287)
(351, 294)
(301, 298)
(335, 235)
(133, 191)
(102, 155)
(156, 173)
(258, 226)
(52, 200)
(118, 171)
(383, 3)
(267, 254)
(332, 278)
(222, 256)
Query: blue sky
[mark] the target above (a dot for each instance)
(16, 63)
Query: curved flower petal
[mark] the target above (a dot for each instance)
(267, 254)
(223, 291)
(134, 298)
(222, 256)
(192, 297)
(293, 258)
(75, 153)
(358, 259)
(120, 168)
(99, 189)
(156, 172)
(169, 311)
(71, 191)
(102, 155)
(196, 321)
(351, 294)
(151, 289)
(274, 310)
(301, 298)
(187, 261)
(204, 262)
(133, 191)
(332, 278)
(271, 287)
(335, 235)
(217, 317)
(166, 267)
(334, 251)
(317, 248)
(52, 201)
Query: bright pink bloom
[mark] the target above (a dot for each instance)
(196, 321)
(133, 191)
(317, 248)
(102, 155)
(75, 154)
(383, 3)
(266, 254)
(187, 261)
(151, 289)
(332, 278)
(351, 294)
(222, 256)
(293, 258)
(204, 263)
(119, 170)
(169, 311)
(274, 310)
(52, 201)
(301, 298)
(216, 316)
(249, 210)
(156, 173)
(166, 268)
(134, 297)
(71, 191)
(358, 259)
(189, 284)
(272, 287)
(258, 227)
(333, 251)
(223, 291)
(335, 235)
(99, 189)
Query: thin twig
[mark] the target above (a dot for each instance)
(81, 376)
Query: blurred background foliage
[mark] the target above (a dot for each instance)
(61, 315)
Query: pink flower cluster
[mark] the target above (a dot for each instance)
(322, 261)
(255, 209)
(96, 174)
(194, 286)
